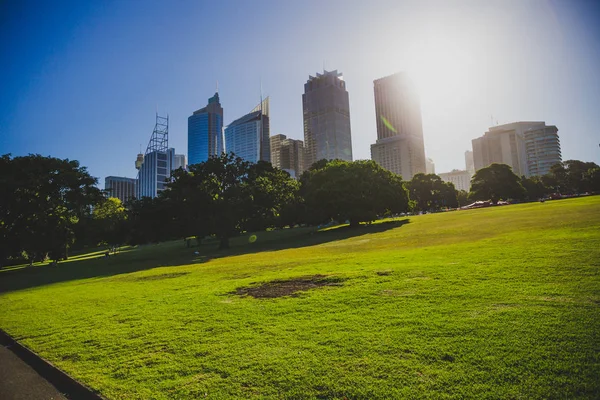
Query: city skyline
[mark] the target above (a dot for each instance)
(84, 84)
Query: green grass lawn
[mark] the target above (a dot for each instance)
(499, 303)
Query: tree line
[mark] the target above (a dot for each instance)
(49, 206)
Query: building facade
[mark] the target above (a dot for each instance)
(469, 163)
(429, 166)
(180, 161)
(399, 147)
(205, 131)
(506, 144)
(120, 187)
(287, 154)
(543, 149)
(326, 116)
(460, 178)
(248, 137)
(155, 172)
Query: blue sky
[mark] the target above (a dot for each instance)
(83, 80)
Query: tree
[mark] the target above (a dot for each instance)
(270, 190)
(226, 195)
(496, 182)
(43, 198)
(574, 176)
(534, 187)
(358, 191)
(149, 220)
(462, 198)
(431, 193)
(110, 220)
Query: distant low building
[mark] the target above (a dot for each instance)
(460, 178)
(180, 161)
(287, 154)
(120, 187)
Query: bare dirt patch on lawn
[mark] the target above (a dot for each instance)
(288, 287)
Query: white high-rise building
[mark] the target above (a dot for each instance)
(158, 161)
(543, 149)
(505, 144)
(529, 148)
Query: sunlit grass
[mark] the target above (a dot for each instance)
(490, 303)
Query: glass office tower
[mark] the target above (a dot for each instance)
(205, 132)
(248, 137)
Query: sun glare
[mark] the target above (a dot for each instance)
(442, 70)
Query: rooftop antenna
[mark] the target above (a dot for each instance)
(217, 86)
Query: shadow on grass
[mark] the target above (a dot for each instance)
(175, 253)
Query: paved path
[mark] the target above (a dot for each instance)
(18, 381)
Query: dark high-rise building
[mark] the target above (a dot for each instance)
(248, 137)
(326, 111)
(399, 147)
(205, 132)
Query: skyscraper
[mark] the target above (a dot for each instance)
(248, 137)
(287, 154)
(205, 131)
(120, 187)
(326, 112)
(520, 145)
(399, 147)
(158, 161)
(543, 149)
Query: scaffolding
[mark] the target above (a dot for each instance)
(159, 141)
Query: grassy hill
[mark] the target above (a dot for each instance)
(491, 303)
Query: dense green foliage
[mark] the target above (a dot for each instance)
(359, 191)
(46, 207)
(429, 192)
(42, 200)
(574, 176)
(225, 196)
(497, 303)
(496, 182)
